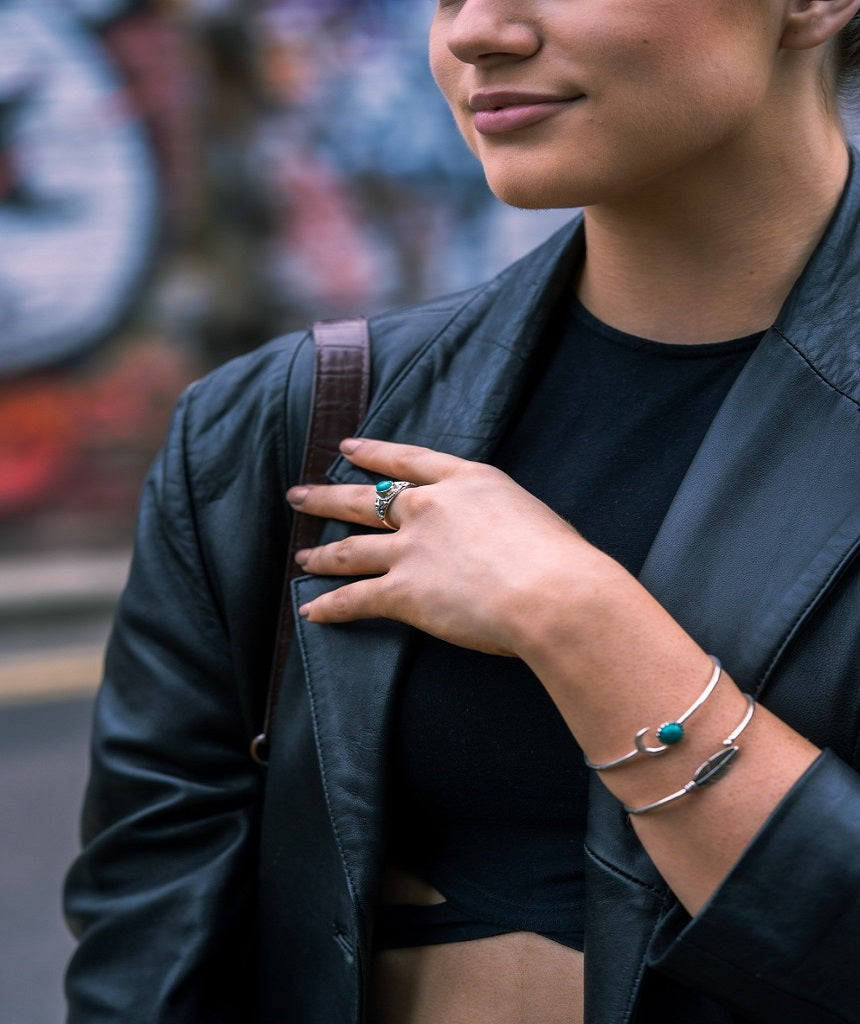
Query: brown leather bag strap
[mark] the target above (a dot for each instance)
(338, 404)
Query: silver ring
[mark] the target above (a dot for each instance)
(386, 492)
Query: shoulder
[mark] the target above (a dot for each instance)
(233, 418)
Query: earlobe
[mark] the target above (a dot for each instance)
(810, 23)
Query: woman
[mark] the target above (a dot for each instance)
(596, 684)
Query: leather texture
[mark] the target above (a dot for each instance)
(209, 891)
(339, 395)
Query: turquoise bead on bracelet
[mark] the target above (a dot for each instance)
(708, 771)
(669, 733)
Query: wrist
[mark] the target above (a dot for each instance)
(611, 657)
(573, 605)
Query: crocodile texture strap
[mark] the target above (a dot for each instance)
(338, 404)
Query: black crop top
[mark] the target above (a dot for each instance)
(488, 791)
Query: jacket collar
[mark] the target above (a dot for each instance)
(460, 390)
(764, 521)
(769, 511)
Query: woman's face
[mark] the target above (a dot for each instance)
(573, 102)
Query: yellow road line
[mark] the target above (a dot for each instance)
(52, 675)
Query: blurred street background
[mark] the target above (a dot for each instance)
(180, 180)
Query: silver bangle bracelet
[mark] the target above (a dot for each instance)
(709, 771)
(669, 733)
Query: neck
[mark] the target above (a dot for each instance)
(712, 256)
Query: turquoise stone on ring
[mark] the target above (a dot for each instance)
(384, 486)
(670, 733)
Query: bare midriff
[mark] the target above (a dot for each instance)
(515, 978)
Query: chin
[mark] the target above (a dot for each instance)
(527, 193)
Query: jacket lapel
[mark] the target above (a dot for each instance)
(769, 511)
(766, 517)
(459, 391)
(349, 671)
(456, 397)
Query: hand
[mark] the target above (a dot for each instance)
(471, 553)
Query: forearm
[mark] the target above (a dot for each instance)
(615, 662)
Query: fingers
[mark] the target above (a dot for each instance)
(355, 503)
(361, 555)
(351, 503)
(346, 604)
(401, 461)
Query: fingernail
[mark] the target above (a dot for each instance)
(305, 611)
(302, 556)
(349, 445)
(296, 495)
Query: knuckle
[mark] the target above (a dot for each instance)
(413, 501)
(420, 452)
(395, 593)
(482, 470)
(341, 601)
(359, 502)
(343, 553)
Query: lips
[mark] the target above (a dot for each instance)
(498, 112)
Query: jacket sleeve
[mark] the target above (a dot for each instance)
(779, 938)
(161, 896)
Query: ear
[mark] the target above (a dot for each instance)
(809, 23)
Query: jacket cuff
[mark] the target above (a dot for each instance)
(778, 937)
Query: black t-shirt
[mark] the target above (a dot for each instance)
(488, 785)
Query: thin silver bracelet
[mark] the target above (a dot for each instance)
(709, 771)
(669, 733)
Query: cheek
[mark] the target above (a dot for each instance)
(666, 45)
(680, 84)
(442, 63)
(446, 73)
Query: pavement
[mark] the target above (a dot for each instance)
(55, 614)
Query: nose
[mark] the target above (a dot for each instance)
(485, 32)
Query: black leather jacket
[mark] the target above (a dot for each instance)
(209, 891)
